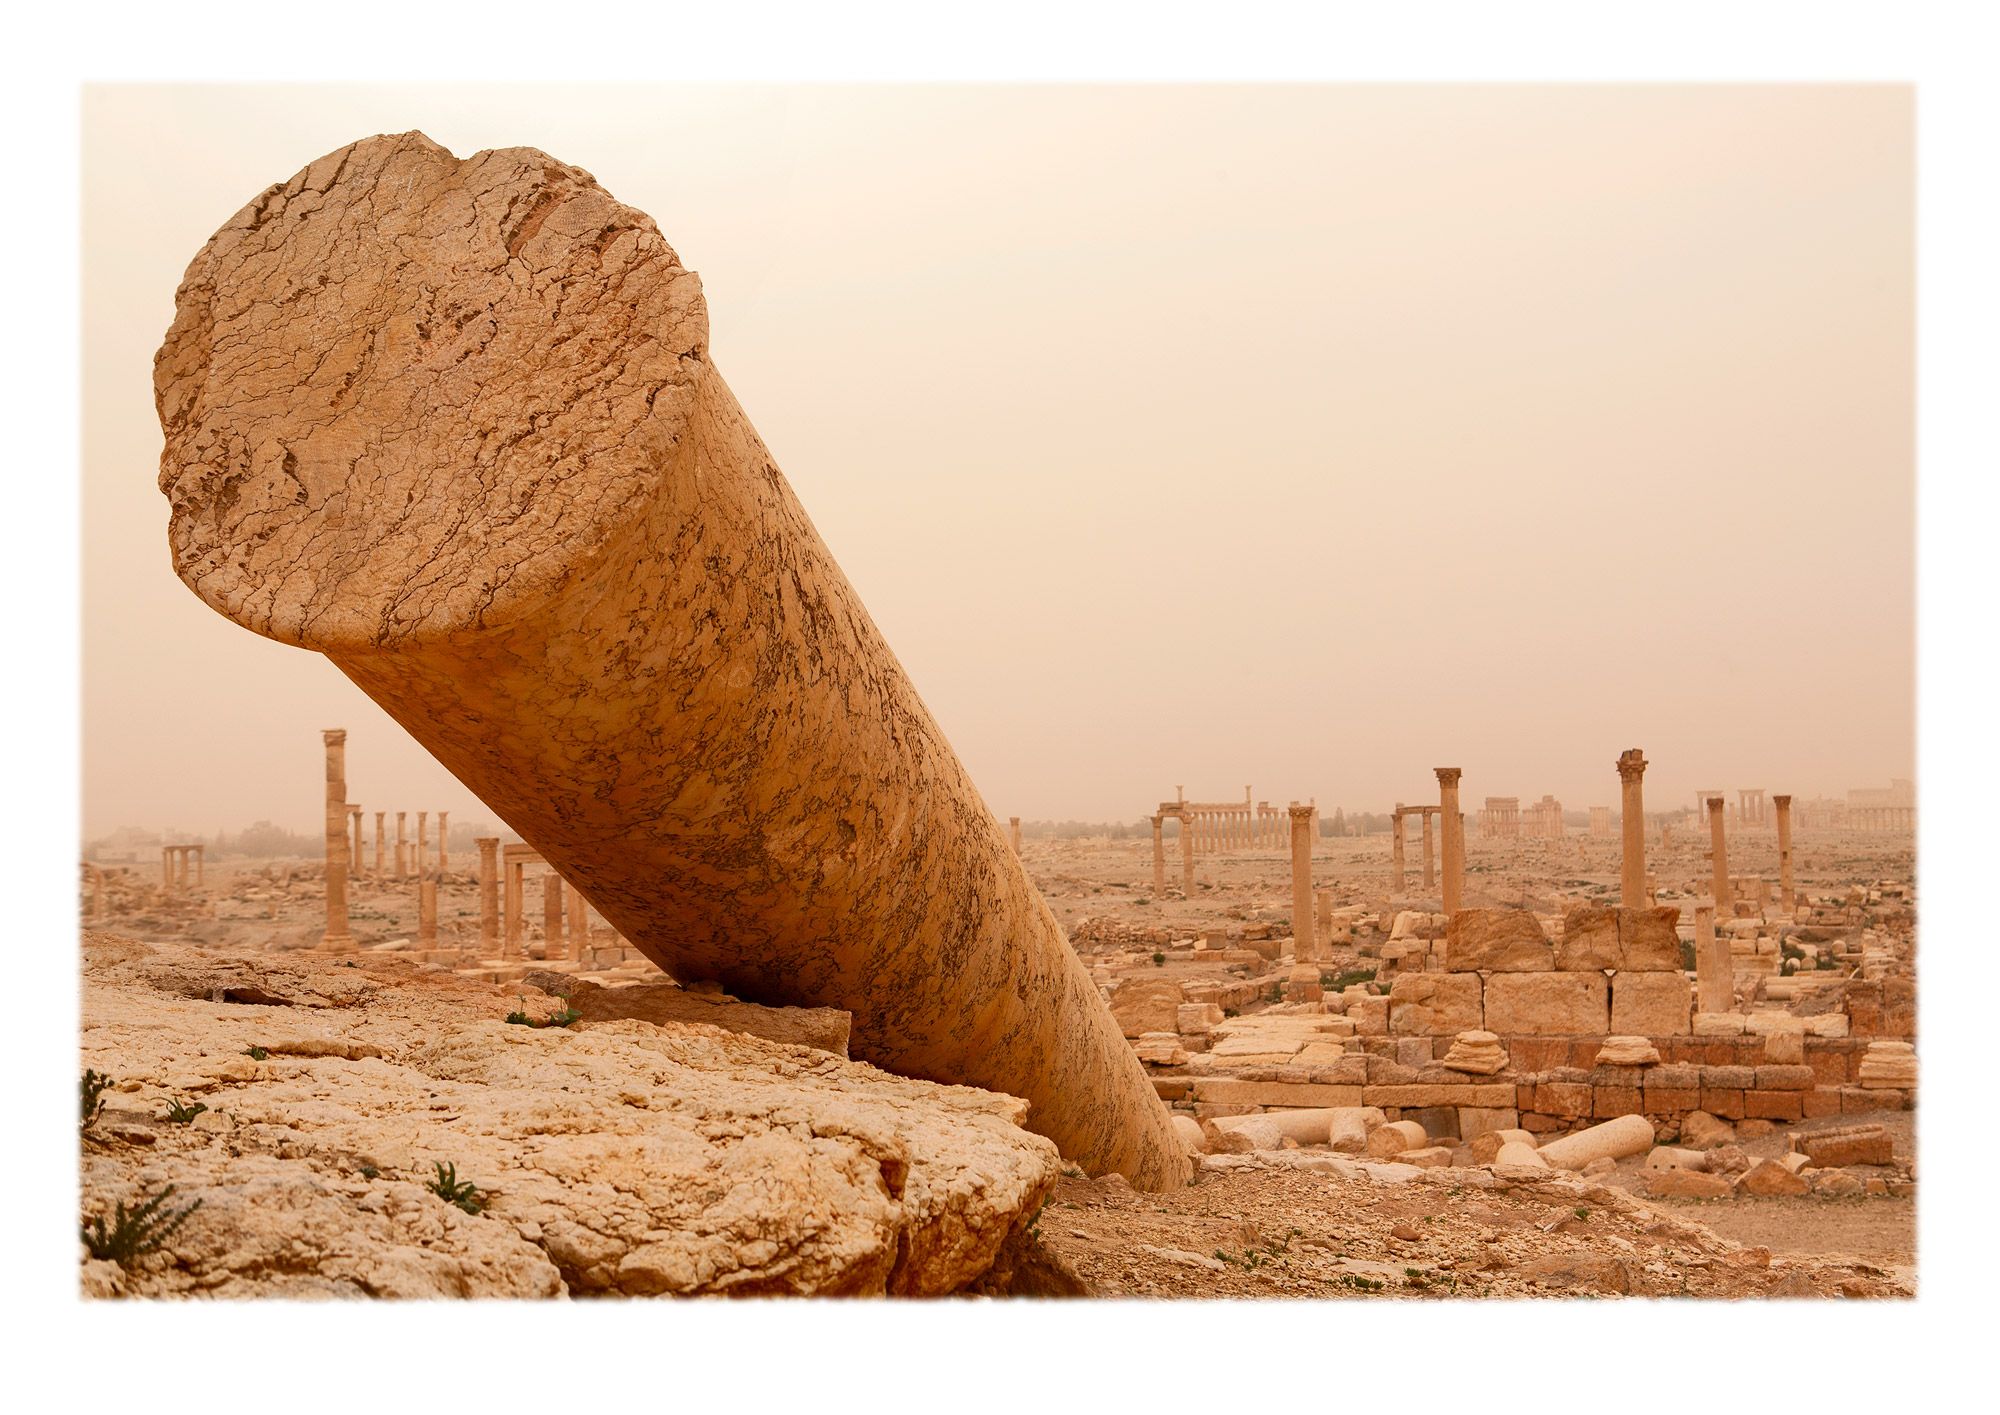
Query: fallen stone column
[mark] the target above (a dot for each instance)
(455, 425)
(1614, 1139)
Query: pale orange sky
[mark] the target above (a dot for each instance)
(1300, 436)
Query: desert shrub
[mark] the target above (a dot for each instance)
(133, 1233)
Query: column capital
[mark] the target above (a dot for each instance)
(333, 736)
(1448, 775)
(1631, 764)
(1781, 800)
(1714, 804)
(1300, 813)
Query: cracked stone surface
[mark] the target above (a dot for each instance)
(620, 1157)
(454, 424)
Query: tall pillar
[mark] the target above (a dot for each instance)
(444, 850)
(336, 937)
(552, 916)
(1014, 832)
(1159, 857)
(402, 848)
(1718, 857)
(1632, 872)
(354, 818)
(1430, 854)
(1453, 827)
(379, 815)
(422, 858)
(166, 867)
(1396, 844)
(579, 921)
(1305, 944)
(1714, 969)
(516, 889)
(489, 896)
(1187, 856)
(1784, 805)
(427, 913)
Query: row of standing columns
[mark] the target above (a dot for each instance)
(174, 865)
(344, 852)
(1397, 835)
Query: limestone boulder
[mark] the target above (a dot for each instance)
(1434, 1004)
(822, 1028)
(1851, 1144)
(1548, 1004)
(1683, 1184)
(614, 1157)
(1770, 1179)
(1497, 940)
(1702, 1131)
(1626, 1051)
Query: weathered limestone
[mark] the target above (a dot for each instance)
(1349, 1127)
(1305, 945)
(484, 462)
(1785, 895)
(1632, 869)
(489, 895)
(427, 913)
(1396, 846)
(1430, 858)
(1014, 833)
(1718, 856)
(1159, 856)
(1496, 940)
(1625, 1050)
(1548, 1004)
(1614, 1139)
(1453, 826)
(402, 848)
(1516, 1152)
(1434, 1004)
(1889, 1066)
(354, 856)
(1650, 1004)
(444, 850)
(1187, 858)
(379, 816)
(1715, 971)
(579, 923)
(1477, 1052)
(1394, 1138)
(1851, 1144)
(1639, 939)
(336, 939)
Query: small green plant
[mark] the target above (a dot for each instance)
(1582, 1213)
(520, 1018)
(1788, 967)
(1142, 900)
(178, 1114)
(258, 1054)
(1825, 961)
(1277, 992)
(1792, 951)
(1348, 979)
(1159, 960)
(133, 1233)
(1231, 1012)
(368, 1171)
(460, 1194)
(95, 1084)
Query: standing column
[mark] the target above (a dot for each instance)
(1305, 944)
(1784, 805)
(1014, 832)
(336, 937)
(1396, 844)
(1159, 857)
(427, 913)
(1718, 857)
(379, 815)
(552, 916)
(1187, 857)
(444, 851)
(166, 867)
(1453, 827)
(579, 921)
(402, 851)
(1632, 874)
(354, 817)
(422, 859)
(515, 890)
(1430, 855)
(489, 896)
(200, 864)
(1714, 969)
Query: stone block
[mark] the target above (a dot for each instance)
(1718, 1024)
(1370, 1016)
(1440, 1122)
(1421, 1097)
(1547, 1004)
(1435, 1004)
(1496, 941)
(1785, 1078)
(1683, 1184)
(1726, 1103)
(1607, 1102)
(1145, 1005)
(1768, 1178)
(1671, 1100)
(1854, 1144)
(1475, 1121)
(1650, 1004)
(1293, 1096)
(1729, 1078)
(1674, 1075)
(1637, 940)
(1565, 1098)
(1820, 1101)
(1428, 1157)
(1773, 1105)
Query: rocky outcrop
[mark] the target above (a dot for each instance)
(619, 1156)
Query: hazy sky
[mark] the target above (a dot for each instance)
(1302, 437)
